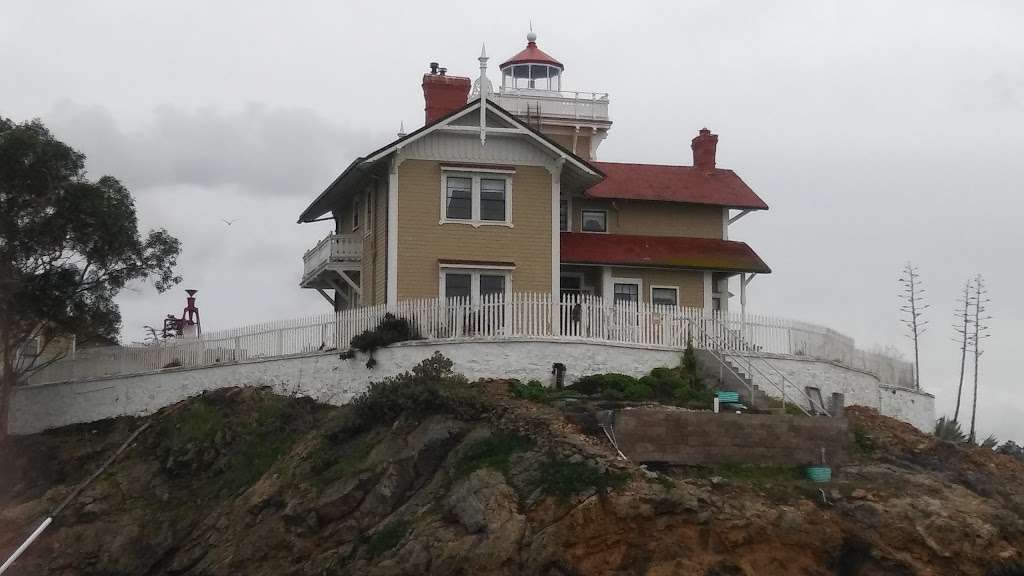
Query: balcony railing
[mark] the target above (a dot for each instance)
(561, 104)
(334, 248)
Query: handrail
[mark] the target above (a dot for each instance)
(744, 345)
(717, 345)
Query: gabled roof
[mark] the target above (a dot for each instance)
(666, 183)
(361, 166)
(532, 55)
(663, 251)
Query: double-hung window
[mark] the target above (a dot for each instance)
(476, 197)
(474, 286)
(665, 295)
(356, 207)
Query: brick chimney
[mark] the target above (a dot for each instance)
(443, 94)
(704, 150)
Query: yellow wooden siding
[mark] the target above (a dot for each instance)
(422, 241)
(653, 218)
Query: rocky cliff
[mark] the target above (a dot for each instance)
(245, 482)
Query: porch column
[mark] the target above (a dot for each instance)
(555, 169)
(606, 285)
(707, 294)
(743, 304)
(392, 279)
(744, 280)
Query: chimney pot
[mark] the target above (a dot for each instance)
(433, 67)
(704, 146)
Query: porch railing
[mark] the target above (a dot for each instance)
(495, 316)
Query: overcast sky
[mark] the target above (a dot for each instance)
(877, 132)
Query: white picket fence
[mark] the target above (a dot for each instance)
(495, 316)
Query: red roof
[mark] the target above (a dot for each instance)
(667, 251)
(532, 55)
(675, 184)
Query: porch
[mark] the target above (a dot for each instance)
(335, 263)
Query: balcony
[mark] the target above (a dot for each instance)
(556, 104)
(334, 254)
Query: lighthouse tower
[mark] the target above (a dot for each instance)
(532, 89)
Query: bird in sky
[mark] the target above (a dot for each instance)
(229, 222)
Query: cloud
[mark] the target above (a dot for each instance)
(261, 150)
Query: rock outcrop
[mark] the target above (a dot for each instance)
(244, 482)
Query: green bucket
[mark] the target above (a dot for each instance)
(819, 473)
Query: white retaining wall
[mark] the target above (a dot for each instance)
(858, 387)
(327, 378)
(322, 376)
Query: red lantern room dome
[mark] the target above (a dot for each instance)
(532, 55)
(532, 69)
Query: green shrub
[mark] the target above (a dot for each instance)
(494, 452)
(532, 390)
(387, 538)
(949, 430)
(390, 330)
(603, 383)
(563, 479)
(430, 388)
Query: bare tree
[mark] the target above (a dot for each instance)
(963, 329)
(980, 333)
(913, 309)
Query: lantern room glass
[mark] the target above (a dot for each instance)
(532, 77)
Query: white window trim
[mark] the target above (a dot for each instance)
(605, 231)
(474, 279)
(639, 287)
(368, 209)
(475, 175)
(659, 287)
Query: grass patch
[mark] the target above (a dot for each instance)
(563, 479)
(493, 452)
(198, 423)
(385, 539)
(262, 441)
(759, 475)
(331, 461)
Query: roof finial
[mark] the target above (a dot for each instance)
(401, 129)
(482, 85)
(532, 36)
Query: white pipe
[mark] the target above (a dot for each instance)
(21, 549)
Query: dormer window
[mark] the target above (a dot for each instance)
(476, 196)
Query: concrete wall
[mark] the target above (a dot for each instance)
(685, 438)
(859, 388)
(322, 376)
(329, 379)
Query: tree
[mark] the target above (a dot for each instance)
(68, 245)
(913, 309)
(963, 330)
(980, 333)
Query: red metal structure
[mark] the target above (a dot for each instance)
(175, 327)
